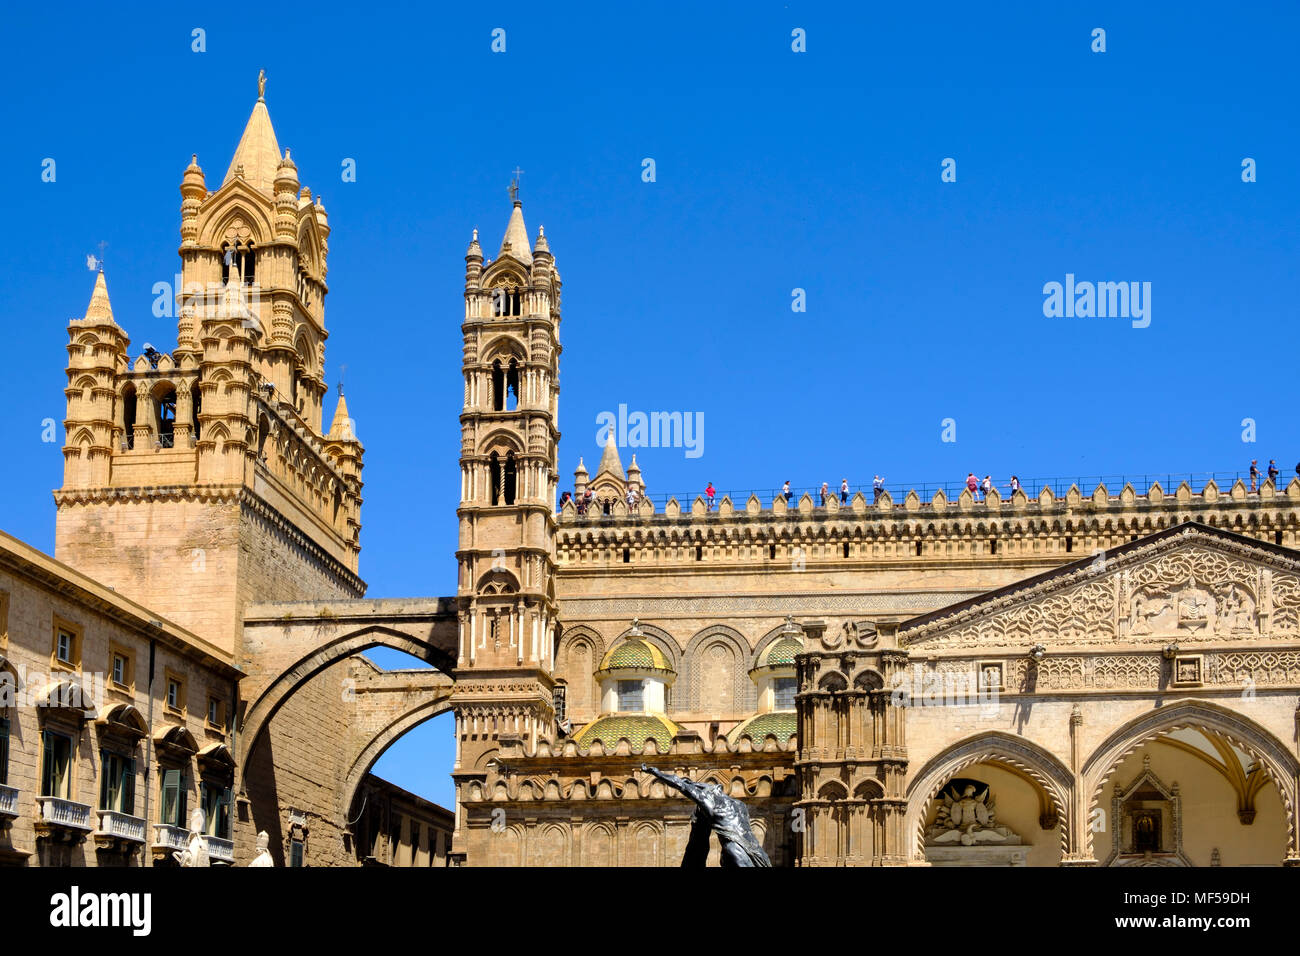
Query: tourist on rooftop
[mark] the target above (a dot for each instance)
(1272, 470)
(585, 503)
(825, 492)
(632, 500)
(972, 485)
(1254, 474)
(844, 492)
(709, 493)
(986, 485)
(565, 498)
(786, 493)
(877, 487)
(1015, 484)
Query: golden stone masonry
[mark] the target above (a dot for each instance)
(1100, 678)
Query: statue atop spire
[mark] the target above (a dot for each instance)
(261, 86)
(513, 189)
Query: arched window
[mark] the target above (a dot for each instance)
(498, 387)
(494, 477)
(128, 416)
(512, 386)
(167, 418)
(510, 479)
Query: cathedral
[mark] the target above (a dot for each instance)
(1100, 677)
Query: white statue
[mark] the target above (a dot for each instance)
(968, 819)
(263, 857)
(196, 851)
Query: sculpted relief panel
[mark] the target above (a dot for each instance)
(1182, 594)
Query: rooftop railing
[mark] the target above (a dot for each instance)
(898, 490)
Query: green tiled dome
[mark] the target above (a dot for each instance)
(637, 728)
(780, 653)
(635, 654)
(781, 724)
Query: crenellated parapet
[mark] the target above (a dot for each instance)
(1045, 528)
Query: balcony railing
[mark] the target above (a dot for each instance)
(925, 490)
(219, 850)
(167, 837)
(8, 801)
(64, 813)
(121, 826)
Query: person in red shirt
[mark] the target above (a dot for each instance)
(973, 485)
(709, 493)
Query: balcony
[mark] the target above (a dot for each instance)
(62, 819)
(8, 804)
(220, 851)
(119, 827)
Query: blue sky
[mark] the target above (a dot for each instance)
(774, 171)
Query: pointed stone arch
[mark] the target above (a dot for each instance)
(743, 692)
(1030, 761)
(1277, 760)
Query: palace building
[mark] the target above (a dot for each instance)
(1087, 677)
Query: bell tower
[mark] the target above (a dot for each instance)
(202, 479)
(506, 555)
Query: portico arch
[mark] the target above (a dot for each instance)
(1276, 760)
(1022, 757)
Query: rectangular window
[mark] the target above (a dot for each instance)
(631, 695)
(63, 649)
(174, 695)
(295, 853)
(216, 713)
(785, 688)
(116, 782)
(557, 698)
(119, 670)
(4, 751)
(56, 765)
(215, 801)
(174, 793)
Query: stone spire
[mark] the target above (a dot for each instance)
(516, 242)
(258, 152)
(99, 309)
(610, 463)
(341, 429)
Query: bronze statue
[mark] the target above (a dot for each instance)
(717, 813)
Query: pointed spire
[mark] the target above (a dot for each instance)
(609, 461)
(99, 308)
(541, 246)
(474, 250)
(516, 242)
(580, 470)
(258, 152)
(341, 429)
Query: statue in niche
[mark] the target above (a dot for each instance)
(196, 850)
(1195, 606)
(715, 812)
(263, 857)
(969, 818)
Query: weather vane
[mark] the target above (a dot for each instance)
(514, 185)
(93, 262)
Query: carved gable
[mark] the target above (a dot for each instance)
(1186, 585)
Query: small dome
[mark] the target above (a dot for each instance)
(635, 653)
(780, 653)
(781, 724)
(637, 728)
(474, 250)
